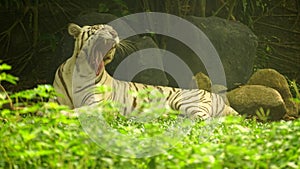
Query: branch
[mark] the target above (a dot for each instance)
(8, 31)
(265, 14)
(280, 28)
(280, 45)
(63, 10)
(219, 10)
(35, 12)
(8, 98)
(298, 14)
(232, 4)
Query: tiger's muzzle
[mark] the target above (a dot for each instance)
(101, 51)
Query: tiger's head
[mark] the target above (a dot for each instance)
(99, 42)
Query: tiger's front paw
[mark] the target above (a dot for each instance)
(200, 116)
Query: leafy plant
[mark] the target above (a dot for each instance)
(296, 91)
(4, 97)
(263, 115)
(37, 134)
(56, 141)
(7, 77)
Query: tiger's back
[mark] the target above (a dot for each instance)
(63, 83)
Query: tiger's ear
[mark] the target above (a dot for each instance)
(74, 30)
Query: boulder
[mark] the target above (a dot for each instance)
(235, 43)
(201, 81)
(136, 65)
(250, 98)
(272, 78)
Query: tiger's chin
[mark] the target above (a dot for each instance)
(100, 68)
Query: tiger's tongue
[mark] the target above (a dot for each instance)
(99, 63)
(100, 67)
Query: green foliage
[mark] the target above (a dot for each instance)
(295, 90)
(148, 118)
(263, 115)
(7, 77)
(54, 141)
(37, 134)
(40, 93)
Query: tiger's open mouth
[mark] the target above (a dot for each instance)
(102, 51)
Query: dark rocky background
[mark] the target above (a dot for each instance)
(34, 39)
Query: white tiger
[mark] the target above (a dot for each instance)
(64, 74)
(95, 47)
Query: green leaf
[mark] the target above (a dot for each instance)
(5, 66)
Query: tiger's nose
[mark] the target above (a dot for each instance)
(115, 36)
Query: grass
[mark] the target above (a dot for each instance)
(55, 141)
(36, 134)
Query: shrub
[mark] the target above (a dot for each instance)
(35, 134)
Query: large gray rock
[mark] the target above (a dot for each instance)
(235, 43)
(273, 79)
(150, 76)
(249, 98)
(136, 66)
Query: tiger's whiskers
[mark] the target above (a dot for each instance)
(126, 46)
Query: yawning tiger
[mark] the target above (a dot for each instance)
(95, 47)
